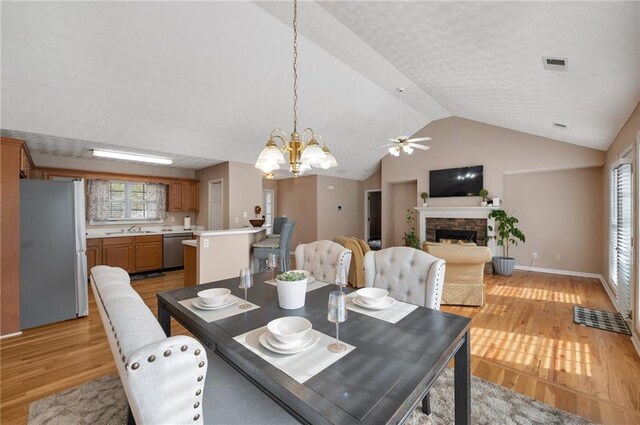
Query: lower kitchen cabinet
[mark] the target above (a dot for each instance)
(133, 254)
(148, 253)
(118, 252)
(94, 253)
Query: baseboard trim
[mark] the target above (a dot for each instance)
(11, 335)
(561, 272)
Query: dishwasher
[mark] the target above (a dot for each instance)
(172, 249)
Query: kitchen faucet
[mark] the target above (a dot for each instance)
(133, 227)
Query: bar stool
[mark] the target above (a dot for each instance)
(279, 246)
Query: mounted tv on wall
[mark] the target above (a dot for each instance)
(465, 181)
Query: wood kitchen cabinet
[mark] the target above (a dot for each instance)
(148, 253)
(183, 196)
(118, 252)
(94, 253)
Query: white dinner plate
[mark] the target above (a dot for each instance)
(388, 302)
(197, 304)
(315, 338)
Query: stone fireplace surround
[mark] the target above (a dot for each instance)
(455, 218)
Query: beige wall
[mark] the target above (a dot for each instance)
(220, 171)
(400, 197)
(109, 166)
(245, 192)
(334, 191)
(560, 216)
(373, 182)
(298, 201)
(459, 142)
(627, 136)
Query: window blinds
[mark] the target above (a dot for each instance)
(621, 231)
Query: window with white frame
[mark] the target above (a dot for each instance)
(621, 231)
(134, 201)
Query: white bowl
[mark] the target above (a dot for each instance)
(213, 297)
(289, 330)
(372, 296)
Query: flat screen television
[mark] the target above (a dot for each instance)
(465, 181)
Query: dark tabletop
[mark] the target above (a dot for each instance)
(380, 381)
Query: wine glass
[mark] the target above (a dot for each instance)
(272, 264)
(337, 314)
(341, 277)
(246, 282)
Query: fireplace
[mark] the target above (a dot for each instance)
(456, 235)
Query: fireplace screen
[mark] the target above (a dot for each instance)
(456, 236)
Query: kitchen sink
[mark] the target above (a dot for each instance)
(127, 232)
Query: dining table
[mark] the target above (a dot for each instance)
(389, 369)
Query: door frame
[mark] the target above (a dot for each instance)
(210, 184)
(366, 213)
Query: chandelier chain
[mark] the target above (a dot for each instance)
(295, 66)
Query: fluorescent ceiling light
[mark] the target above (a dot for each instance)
(131, 157)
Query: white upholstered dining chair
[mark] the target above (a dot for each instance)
(410, 275)
(321, 258)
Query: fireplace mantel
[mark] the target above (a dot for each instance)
(455, 212)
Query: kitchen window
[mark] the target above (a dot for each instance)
(125, 202)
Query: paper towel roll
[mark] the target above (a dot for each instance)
(187, 223)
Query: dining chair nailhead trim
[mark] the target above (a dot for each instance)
(135, 366)
(167, 353)
(183, 348)
(123, 358)
(196, 417)
(197, 352)
(196, 405)
(201, 364)
(199, 378)
(198, 392)
(151, 359)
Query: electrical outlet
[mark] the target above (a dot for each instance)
(173, 219)
(534, 255)
(557, 257)
(237, 220)
(244, 214)
(205, 243)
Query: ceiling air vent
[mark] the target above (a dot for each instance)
(560, 126)
(555, 64)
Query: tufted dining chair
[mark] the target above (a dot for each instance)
(410, 275)
(321, 258)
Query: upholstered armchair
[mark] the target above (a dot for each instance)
(464, 282)
(321, 258)
(410, 275)
(358, 248)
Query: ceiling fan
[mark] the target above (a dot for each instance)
(404, 143)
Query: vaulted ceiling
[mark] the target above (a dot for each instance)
(207, 81)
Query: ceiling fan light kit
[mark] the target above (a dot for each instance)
(403, 143)
(303, 149)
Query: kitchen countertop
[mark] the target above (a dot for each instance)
(240, 231)
(101, 234)
(190, 242)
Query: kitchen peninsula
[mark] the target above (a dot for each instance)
(219, 254)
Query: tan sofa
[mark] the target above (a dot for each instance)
(358, 248)
(464, 277)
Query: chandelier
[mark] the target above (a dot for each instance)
(303, 149)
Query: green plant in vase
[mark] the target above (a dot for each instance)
(483, 193)
(424, 196)
(506, 234)
(410, 237)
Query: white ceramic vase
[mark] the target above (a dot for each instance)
(424, 204)
(483, 203)
(291, 295)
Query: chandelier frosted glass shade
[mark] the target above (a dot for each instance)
(270, 158)
(329, 160)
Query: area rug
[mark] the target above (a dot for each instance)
(102, 402)
(140, 276)
(600, 319)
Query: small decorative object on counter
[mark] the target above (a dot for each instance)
(424, 196)
(484, 193)
(257, 222)
(292, 290)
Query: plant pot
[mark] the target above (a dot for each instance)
(483, 203)
(503, 265)
(291, 294)
(424, 204)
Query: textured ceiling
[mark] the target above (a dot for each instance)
(61, 146)
(483, 60)
(203, 82)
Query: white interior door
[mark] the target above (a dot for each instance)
(215, 205)
(268, 205)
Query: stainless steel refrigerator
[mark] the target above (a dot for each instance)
(53, 259)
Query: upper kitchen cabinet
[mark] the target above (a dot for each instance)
(183, 196)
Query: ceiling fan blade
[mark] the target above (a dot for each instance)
(419, 139)
(383, 146)
(421, 147)
(395, 140)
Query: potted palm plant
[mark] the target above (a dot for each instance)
(424, 196)
(292, 289)
(506, 233)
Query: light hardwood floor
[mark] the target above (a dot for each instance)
(523, 339)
